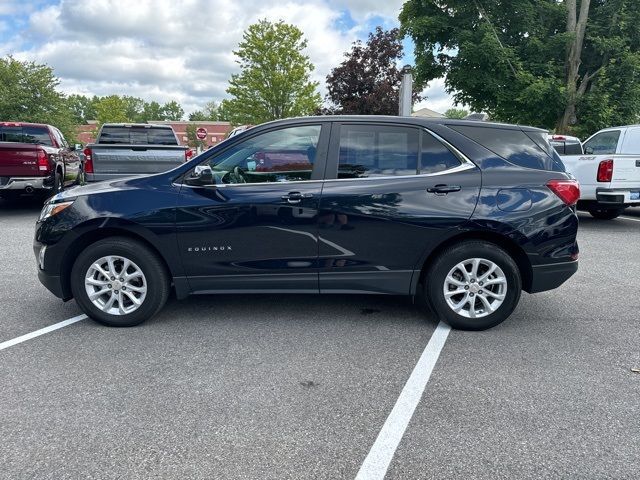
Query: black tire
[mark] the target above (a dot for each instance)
(606, 213)
(157, 280)
(434, 284)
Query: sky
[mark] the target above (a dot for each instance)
(181, 50)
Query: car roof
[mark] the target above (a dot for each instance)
(143, 125)
(22, 124)
(403, 120)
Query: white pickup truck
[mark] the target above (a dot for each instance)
(608, 171)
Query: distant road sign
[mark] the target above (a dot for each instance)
(201, 133)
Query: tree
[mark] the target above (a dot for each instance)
(111, 109)
(210, 112)
(28, 93)
(456, 113)
(274, 79)
(83, 108)
(368, 81)
(559, 64)
(172, 111)
(152, 111)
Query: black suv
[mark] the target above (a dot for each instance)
(466, 214)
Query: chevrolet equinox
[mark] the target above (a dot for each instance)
(463, 214)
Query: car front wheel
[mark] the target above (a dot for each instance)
(473, 285)
(119, 282)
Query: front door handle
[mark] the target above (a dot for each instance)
(296, 197)
(442, 189)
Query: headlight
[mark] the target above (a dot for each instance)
(51, 209)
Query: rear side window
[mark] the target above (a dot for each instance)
(436, 157)
(377, 151)
(137, 136)
(631, 145)
(526, 149)
(604, 143)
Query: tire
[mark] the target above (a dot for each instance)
(151, 288)
(503, 294)
(606, 213)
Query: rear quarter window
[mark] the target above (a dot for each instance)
(528, 149)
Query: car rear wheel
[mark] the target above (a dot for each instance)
(119, 282)
(606, 213)
(473, 285)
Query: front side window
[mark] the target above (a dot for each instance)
(604, 143)
(377, 151)
(285, 155)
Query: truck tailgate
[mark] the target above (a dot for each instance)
(135, 159)
(18, 160)
(626, 171)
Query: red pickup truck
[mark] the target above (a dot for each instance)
(36, 159)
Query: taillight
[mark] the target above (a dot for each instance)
(188, 154)
(88, 161)
(567, 190)
(605, 170)
(43, 161)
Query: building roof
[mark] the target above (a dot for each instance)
(427, 112)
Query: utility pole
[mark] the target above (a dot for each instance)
(406, 92)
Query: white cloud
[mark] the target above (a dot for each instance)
(167, 49)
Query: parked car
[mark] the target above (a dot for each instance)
(125, 149)
(608, 171)
(566, 145)
(466, 213)
(36, 159)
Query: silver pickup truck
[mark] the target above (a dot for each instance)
(125, 149)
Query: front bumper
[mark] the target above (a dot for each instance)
(617, 197)
(550, 276)
(53, 283)
(26, 183)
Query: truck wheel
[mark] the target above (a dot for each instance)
(473, 285)
(606, 213)
(119, 282)
(57, 184)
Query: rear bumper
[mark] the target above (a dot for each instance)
(26, 183)
(548, 277)
(101, 177)
(617, 197)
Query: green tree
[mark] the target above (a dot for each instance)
(83, 107)
(152, 111)
(172, 111)
(456, 113)
(28, 93)
(274, 81)
(559, 64)
(111, 109)
(210, 112)
(134, 108)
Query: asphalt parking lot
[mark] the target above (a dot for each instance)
(300, 386)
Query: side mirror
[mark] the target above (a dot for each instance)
(588, 150)
(202, 175)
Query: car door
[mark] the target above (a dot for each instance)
(251, 225)
(391, 193)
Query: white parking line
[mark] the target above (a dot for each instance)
(42, 331)
(632, 219)
(377, 462)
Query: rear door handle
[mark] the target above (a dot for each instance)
(442, 189)
(296, 197)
